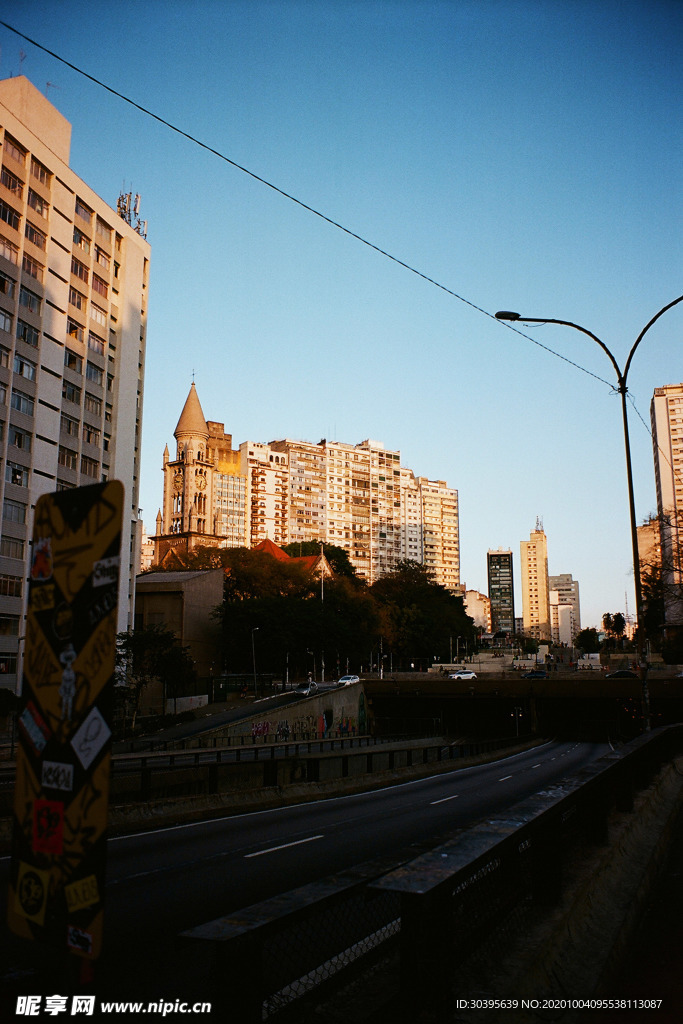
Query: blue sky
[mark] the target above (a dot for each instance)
(525, 155)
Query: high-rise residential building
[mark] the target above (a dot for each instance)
(666, 416)
(357, 497)
(562, 625)
(567, 589)
(535, 590)
(501, 591)
(73, 309)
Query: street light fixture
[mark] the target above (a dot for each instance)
(622, 389)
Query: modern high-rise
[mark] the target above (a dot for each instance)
(357, 497)
(666, 417)
(535, 590)
(567, 589)
(501, 590)
(73, 308)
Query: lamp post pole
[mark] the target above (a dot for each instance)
(622, 389)
(253, 657)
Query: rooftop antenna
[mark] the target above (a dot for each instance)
(50, 85)
(539, 523)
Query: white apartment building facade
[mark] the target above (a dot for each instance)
(666, 417)
(357, 497)
(73, 307)
(567, 589)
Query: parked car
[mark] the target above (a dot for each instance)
(622, 673)
(307, 689)
(536, 673)
(347, 680)
(463, 673)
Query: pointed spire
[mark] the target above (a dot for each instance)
(192, 422)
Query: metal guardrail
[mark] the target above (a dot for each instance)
(434, 910)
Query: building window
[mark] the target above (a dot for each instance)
(39, 171)
(94, 374)
(16, 474)
(79, 270)
(67, 458)
(73, 361)
(101, 257)
(4, 356)
(91, 434)
(9, 625)
(69, 425)
(22, 403)
(83, 210)
(14, 511)
(32, 267)
(70, 393)
(10, 586)
(9, 250)
(14, 150)
(28, 334)
(92, 404)
(96, 343)
(100, 286)
(9, 215)
(74, 330)
(34, 235)
(103, 230)
(6, 285)
(37, 203)
(24, 367)
(89, 467)
(10, 547)
(30, 300)
(5, 322)
(12, 183)
(98, 314)
(76, 298)
(81, 241)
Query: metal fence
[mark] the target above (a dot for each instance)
(456, 902)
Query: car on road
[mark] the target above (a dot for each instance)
(347, 680)
(307, 689)
(463, 673)
(622, 673)
(536, 673)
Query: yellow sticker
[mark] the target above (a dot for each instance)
(31, 895)
(83, 893)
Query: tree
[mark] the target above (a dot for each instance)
(588, 641)
(419, 616)
(153, 652)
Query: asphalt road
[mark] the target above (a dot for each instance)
(163, 882)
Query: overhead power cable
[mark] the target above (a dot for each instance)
(299, 202)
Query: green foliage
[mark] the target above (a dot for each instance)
(153, 652)
(588, 640)
(419, 617)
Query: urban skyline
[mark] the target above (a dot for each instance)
(73, 311)
(515, 184)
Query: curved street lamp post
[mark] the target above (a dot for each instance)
(622, 389)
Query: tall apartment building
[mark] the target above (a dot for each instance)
(567, 589)
(666, 417)
(73, 308)
(535, 589)
(501, 590)
(357, 497)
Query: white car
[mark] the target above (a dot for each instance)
(464, 673)
(347, 680)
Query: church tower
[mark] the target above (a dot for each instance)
(187, 478)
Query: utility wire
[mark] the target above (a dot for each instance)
(299, 202)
